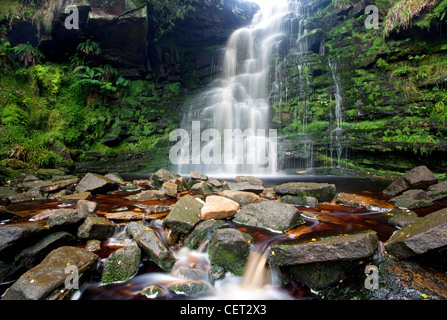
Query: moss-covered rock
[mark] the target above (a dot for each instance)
(121, 265)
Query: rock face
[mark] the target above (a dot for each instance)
(427, 233)
(337, 248)
(321, 191)
(46, 280)
(121, 265)
(185, 214)
(229, 249)
(417, 178)
(269, 215)
(218, 208)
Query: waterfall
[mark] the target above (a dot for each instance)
(338, 131)
(228, 123)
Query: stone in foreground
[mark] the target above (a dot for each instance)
(427, 233)
(185, 214)
(95, 227)
(269, 215)
(46, 281)
(337, 248)
(322, 191)
(121, 265)
(219, 208)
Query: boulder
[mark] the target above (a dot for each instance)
(198, 176)
(320, 275)
(201, 187)
(241, 197)
(418, 178)
(74, 198)
(437, 191)
(148, 195)
(162, 176)
(148, 240)
(303, 201)
(46, 281)
(192, 288)
(15, 234)
(202, 231)
(412, 199)
(402, 217)
(269, 215)
(96, 183)
(95, 227)
(229, 249)
(5, 193)
(245, 186)
(427, 233)
(64, 217)
(31, 195)
(250, 179)
(121, 265)
(55, 186)
(335, 248)
(321, 191)
(218, 208)
(185, 214)
(169, 189)
(362, 201)
(33, 255)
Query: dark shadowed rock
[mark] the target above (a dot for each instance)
(47, 280)
(418, 178)
(427, 233)
(202, 231)
(269, 215)
(31, 195)
(55, 186)
(14, 234)
(337, 248)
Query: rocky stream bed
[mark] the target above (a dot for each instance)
(174, 237)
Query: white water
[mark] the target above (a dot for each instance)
(238, 101)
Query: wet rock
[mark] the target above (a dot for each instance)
(320, 275)
(269, 193)
(229, 249)
(74, 198)
(185, 214)
(64, 217)
(427, 233)
(250, 179)
(162, 176)
(96, 183)
(55, 186)
(121, 265)
(125, 215)
(437, 191)
(15, 234)
(31, 195)
(304, 201)
(241, 197)
(218, 208)
(86, 206)
(192, 288)
(362, 201)
(47, 280)
(151, 292)
(148, 195)
(115, 177)
(245, 186)
(48, 174)
(95, 227)
(93, 245)
(269, 215)
(48, 213)
(169, 189)
(33, 255)
(336, 248)
(402, 217)
(412, 199)
(198, 176)
(202, 231)
(418, 178)
(201, 187)
(148, 240)
(321, 191)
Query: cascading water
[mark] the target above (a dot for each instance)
(338, 131)
(236, 107)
